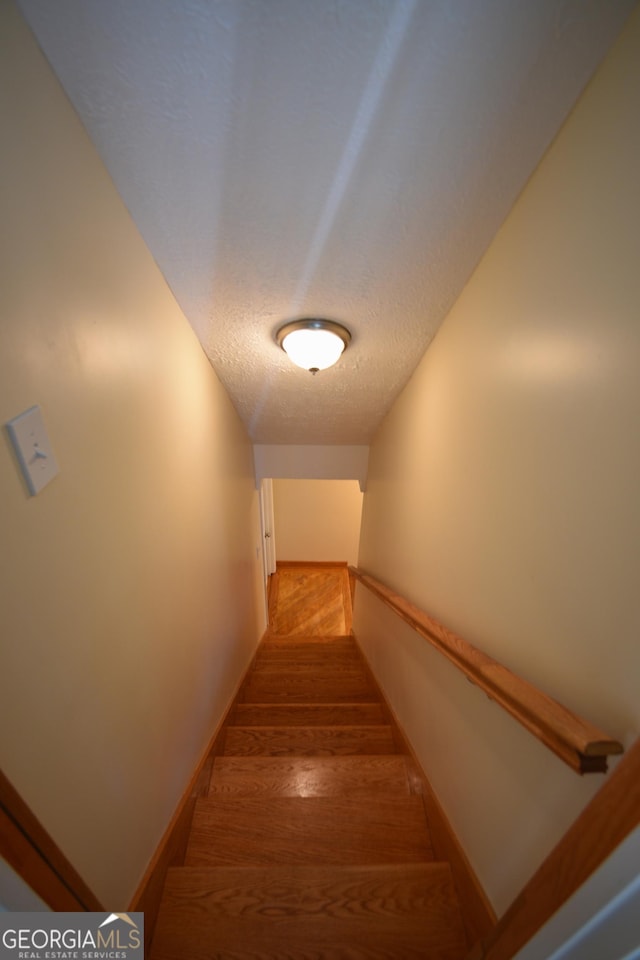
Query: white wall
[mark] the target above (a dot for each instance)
(128, 586)
(311, 462)
(317, 519)
(503, 491)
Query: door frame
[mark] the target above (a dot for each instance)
(267, 528)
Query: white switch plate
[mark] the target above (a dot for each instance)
(33, 449)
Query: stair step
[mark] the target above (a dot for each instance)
(250, 831)
(310, 777)
(308, 647)
(296, 688)
(308, 714)
(309, 741)
(345, 663)
(291, 650)
(327, 667)
(313, 842)
(310, 913)
(306, 637)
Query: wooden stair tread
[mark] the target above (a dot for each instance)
(252, 831)
(345, 644)
(307, 651)
(309, 741)
(331, 667)
(308, 714)
(301, 635)
(290, 687)
(313, 843)
(397, 911)
(281, 658)
(387, 776)
(301, 638)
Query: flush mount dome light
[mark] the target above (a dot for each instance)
(313, 344)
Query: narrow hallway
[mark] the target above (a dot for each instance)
(312, 841)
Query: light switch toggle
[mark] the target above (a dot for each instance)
(33, 449)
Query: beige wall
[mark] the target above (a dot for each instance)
(128, 586)
(503, 490)
(309, 461)
(317, 519)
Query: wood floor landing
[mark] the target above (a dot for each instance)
(310, 600)
(312, 842)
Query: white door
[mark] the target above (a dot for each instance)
(268, 535)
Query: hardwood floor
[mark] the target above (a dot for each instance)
(312, 842)
(329, 612)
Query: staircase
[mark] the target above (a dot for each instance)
(313, 840)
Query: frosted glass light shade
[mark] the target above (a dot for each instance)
(313, 349)
(313, 344)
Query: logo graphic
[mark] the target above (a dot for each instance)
(119, 916)
(71, 936)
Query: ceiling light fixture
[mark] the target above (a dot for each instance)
(313, 344)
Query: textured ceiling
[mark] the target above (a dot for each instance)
(341, 158)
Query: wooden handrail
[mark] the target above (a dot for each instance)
(34, 855)
(603, 824)
(581, 745)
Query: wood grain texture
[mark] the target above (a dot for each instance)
(313, 840)
(250, 831)
(309, 741)
(346, 776)
(311, 651)
(340, 669)
(303, 687)
(580, 744)
(308, 714)
(302, 641)
(304, 912)
(293, 660)
(313, 564)
(604, 823)
(311, 599)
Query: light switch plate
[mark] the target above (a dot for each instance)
(33, 450)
